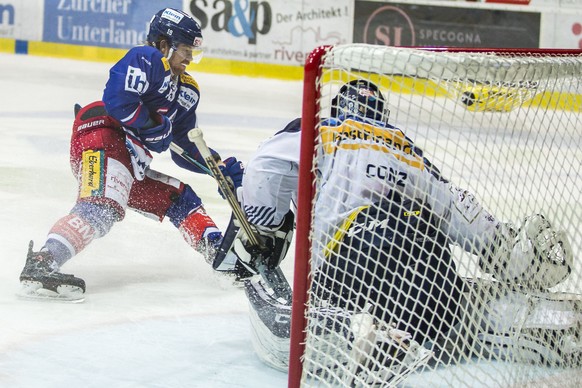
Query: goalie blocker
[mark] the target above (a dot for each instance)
(236, 256)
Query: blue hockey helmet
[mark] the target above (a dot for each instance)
(176, 26)
(360, 98)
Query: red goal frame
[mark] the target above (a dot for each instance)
(310, 117)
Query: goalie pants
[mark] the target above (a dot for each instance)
(404, 272)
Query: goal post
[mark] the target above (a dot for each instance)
(503, 124)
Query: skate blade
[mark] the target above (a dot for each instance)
(32, 290)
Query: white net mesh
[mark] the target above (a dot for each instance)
(415, 277)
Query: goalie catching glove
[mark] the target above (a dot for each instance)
(536, 256)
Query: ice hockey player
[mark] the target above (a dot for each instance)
(149, 101)
(406, 218)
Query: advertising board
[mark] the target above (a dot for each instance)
(398, 24)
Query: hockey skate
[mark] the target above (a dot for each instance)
(208, 246)
(40, 279)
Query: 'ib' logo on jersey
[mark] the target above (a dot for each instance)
(136, 80)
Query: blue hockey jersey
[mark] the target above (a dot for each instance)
(140, 86)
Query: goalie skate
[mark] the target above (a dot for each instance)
(40, 280)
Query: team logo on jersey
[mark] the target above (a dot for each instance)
(172, 92)
(165, 84)
(187, 97)
(92, 174)
(136, 80)
(188, 79)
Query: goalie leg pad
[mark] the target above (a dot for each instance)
(225, 259)
(271, 324)
(349, 349)
(538, 327)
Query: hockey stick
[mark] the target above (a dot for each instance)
(274, 277)
(195, 136)
(184, 154)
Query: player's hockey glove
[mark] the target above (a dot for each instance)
(159, 137)
(233, 171)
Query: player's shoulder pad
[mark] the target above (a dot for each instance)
(151, 56)
(189, 80)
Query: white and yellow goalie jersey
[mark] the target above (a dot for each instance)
(361, 162)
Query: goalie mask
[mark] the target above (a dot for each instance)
(176, 27)
(360, 98)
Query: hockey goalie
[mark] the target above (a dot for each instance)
(386, 297)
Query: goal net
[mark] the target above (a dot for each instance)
(390, 290)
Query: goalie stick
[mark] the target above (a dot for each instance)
(273, 276)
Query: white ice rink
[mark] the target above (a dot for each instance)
(155, 315)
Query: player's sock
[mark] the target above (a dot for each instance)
(200, 231)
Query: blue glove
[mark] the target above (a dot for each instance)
(233, 171)
(157, 138)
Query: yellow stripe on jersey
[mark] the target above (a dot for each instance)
(332, 245)
(188, 79)
(91, 174)
(166, 63)
(354, 135)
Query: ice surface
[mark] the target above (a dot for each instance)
(155, 315)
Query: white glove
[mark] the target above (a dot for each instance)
(539, 257)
